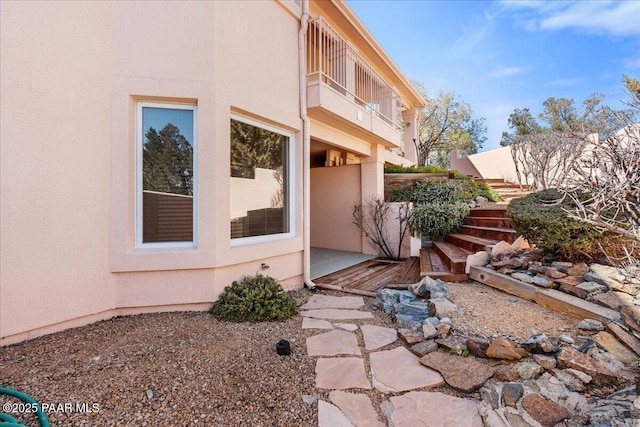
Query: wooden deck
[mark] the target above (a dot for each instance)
(375, 274)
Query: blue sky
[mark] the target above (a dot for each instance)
(500, 55)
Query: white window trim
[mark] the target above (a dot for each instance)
(139, 184)
(252, 240)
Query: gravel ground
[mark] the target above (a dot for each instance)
(190, 369)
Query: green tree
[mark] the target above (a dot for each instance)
(521, 122)
(167, 161)
(253, 147)
(446, 124)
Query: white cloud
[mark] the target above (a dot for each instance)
(507, 71)
(472, 37)
(619, 18)
(565, 82)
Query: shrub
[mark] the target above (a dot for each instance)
(438, 219)
(430, 192)
(473, 189)
(414, 169)
(540, 218)
(253, 299)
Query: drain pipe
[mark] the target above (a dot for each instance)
(306, 146)
(306, 161)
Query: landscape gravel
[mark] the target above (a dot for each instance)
(189, 369)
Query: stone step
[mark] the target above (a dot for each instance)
(479, 221)
(507, 234)
(452, 256)
(470, 243)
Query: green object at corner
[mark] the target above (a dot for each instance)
(9, 421)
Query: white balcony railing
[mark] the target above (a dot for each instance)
(333, 60)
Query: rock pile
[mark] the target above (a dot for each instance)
(590, 379)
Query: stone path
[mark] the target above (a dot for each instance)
(341, 367)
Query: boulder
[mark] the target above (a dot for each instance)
(387, 298)
(410, 336)
(592, 287)
(574, 290)
(529, 370)
(511, 393)
(503, 349)
(523, 277)
(508, 262)
(479, 259)
(547, 413)
(572, 358)
(630, 315)
(428, 330)
(577, 270)
(615, 347)
(424, 347)
(616, 279)
(590, 325)
(520, 243)
(563, 266)
(539, 344)
(553, 273)
(478, 347)
(430, 288)
(500, 248)
(570, 280)
(629, 340)
(490, 393)
(466, 374)
(547, 362)
(542, 281)
(613, 300)
(440, 307)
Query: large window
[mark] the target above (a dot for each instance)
(166, 179)
(260, 180)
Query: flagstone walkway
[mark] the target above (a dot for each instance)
(394, 371)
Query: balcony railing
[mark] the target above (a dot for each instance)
(333, 60)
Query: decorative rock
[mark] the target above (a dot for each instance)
(608, 360)
(377, 336)
(516, 420)
(544, 411)
(578, 270)
(542, 281)
(447, 410)
(357, 407)
(481, 200)
(564, 266)
(308, 399)
(520, 243)
(430, 288)
(506, 373)
(615, 279)
(387, 298)
(613, 300)
(590, 325)
(529, 370)
(478, 347)
(569, 378)
(500, 248)
(566, 339)
(592, 287)
(572, 358)
(570, 280)
(553, 273)
(479, 259)
(547, 362)
(400, 370)
(508, 262)
(466, 374)
(503, 349)
(511, 393)
(440, 307)
(539, 344)
(632, 342)
(523, 277)
(424, 347)
(490, 393)
(443, 329)
(410, 337)
(613, 346)
(574, 290)
(630, 315)
(429, 331)
(410, 315)
(452, 341)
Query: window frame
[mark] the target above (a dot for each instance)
(290, 193)
(140, 140)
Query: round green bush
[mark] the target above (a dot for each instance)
(540, 218)
(435, 220)
(253, 299)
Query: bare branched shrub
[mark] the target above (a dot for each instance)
(373, 220)
(544, 160)
(609, 173)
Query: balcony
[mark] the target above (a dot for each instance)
(343, 88)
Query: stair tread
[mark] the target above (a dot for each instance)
(496, 229)
(453, 252)
(480, 240)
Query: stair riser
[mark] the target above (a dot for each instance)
(449, 277)
(456, 267)
(470, 246)
(488, 222)
(494, 213)
(509, 237)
